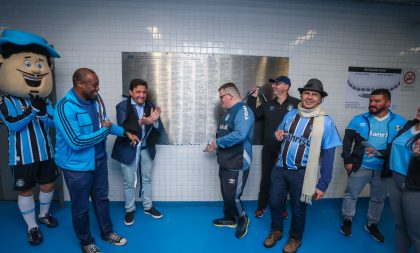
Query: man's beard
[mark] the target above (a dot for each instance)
(378, 110)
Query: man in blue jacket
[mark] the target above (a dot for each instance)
(234, 156)
(368, 131)
(141, 117)
(82, 128)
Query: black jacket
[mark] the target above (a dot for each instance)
(273, 114)
(413, 174)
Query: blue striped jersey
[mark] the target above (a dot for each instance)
(295, 145)
(29, 138)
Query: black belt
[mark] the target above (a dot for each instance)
(298, 168)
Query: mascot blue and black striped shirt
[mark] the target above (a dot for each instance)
(29, 138)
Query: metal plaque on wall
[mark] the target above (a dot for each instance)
(185, 87)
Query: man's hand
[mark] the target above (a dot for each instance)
(210, 147)
(279, 134)
(370, 151)
(255, 91)
(146, 120)
(106, 123)
(134, 138)
(155, 114)
(141, 121)
(317, 195)
(348, 167)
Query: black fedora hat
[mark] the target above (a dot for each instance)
(314, 85)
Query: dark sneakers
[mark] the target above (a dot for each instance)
(48, 221)
(346, 227)
(242, 228)
(225, 222)
(34, 236)
(374, 231)
(115, 239)
(129, 218)
(259, 212)
(292, 245)
(90, 248)
(154, 213)
(272, 238)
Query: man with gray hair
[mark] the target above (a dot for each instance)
(234, 154)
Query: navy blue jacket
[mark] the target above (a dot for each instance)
(127, 117)
(234, 138)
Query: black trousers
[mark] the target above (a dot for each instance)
(232, 183)
(268, 159)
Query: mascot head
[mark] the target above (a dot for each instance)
(25, 65)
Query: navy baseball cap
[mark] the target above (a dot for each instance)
(21, 38)
(283, 79)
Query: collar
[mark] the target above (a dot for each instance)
(135, 104)
(80, 99)
(276, 99)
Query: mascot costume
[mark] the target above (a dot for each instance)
(26, 81)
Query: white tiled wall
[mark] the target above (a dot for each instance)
(322, 38)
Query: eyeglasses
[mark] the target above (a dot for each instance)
(221, 97)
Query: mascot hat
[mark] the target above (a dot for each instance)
(24, 38)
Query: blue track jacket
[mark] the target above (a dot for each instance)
(75, 138)
(234, 138)
(358, 131)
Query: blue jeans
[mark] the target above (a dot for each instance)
(283, 182)
(130, 181)
(81, 186)
(378, 191)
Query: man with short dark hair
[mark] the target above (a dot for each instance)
(308, 140)
(234, 156)
(141, 117)
(82, 129)
(273, 112)
(370, 132)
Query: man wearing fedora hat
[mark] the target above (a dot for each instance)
(272, 112)
(307, 135)
(26, 80)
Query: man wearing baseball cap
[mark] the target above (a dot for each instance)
(272, 112)
(307, 135)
